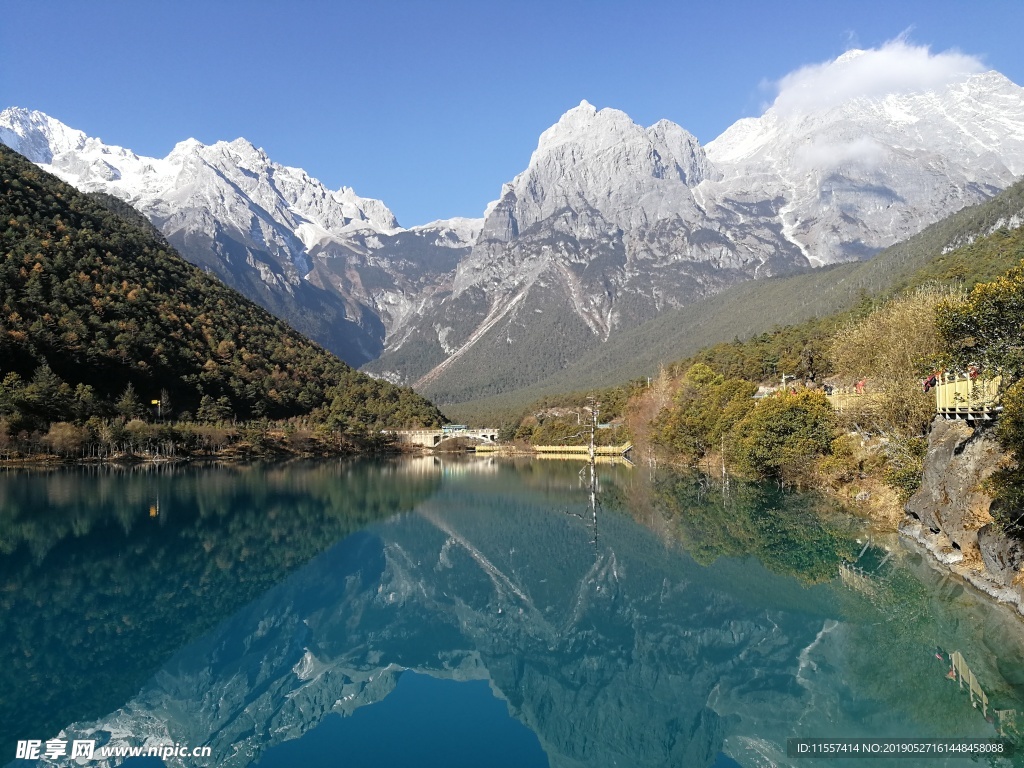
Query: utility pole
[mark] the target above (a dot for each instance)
(594, 410)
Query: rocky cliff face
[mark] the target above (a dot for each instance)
(951, 514)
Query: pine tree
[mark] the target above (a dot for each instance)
(128, 404)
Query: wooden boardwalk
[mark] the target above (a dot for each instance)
(603, 454)
(600, 450)
(957, 396)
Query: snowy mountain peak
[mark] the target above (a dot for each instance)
(244, 153)
(948, 109)
(587, 126)
(849, 143)
(244, 145)
(850, 55)
(598, 136)
(37, 135)
(895, 68)
(460, 228)
(231, 176)
(187, 147)
(601, 161)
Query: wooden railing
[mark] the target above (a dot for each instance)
(844, 399)
(957, 396)
(963, 396)
(960, 672)
(600, 450)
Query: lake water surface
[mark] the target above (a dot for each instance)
(426, 612)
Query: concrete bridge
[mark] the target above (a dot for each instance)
(430, 438)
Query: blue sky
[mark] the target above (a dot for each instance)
(432, 105)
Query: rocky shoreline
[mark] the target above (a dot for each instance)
(950, 516)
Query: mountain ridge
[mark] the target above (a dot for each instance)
(609, 225)
(231, 210)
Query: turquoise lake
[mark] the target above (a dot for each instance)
(476, 612)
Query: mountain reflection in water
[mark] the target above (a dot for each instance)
(717, 626)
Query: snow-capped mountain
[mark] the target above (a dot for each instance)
(193, 174)
(589, 239)
(601, 159)
(865, 172)
(610, 223)
(260, 226)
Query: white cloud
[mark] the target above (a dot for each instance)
(821, 154)
(896, 67)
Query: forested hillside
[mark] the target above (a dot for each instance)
(99, 316)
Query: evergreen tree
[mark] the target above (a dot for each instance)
(128, 405)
